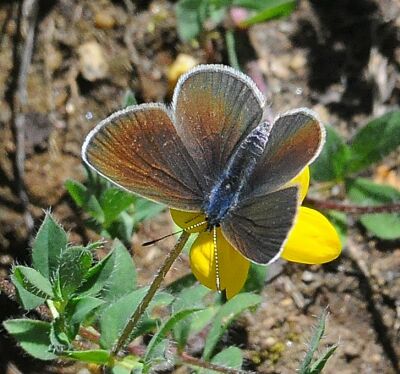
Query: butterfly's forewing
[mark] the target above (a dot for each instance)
(295, 140)
(138, 149)
(215, 107)
(259, 226)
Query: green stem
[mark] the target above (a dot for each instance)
(230, 46)
(133, 321)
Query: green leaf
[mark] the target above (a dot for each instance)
(383, 225)
(129, 99)
(85, 199)
(180, 284)
(32, 335)
(123, 277)
(97, 276)
(146, 209)
(114, 318)
(203, 318)
(313, 346)
(163, 331)
(50, 242)
(33, 281)
(276, 8)
(27, 299)
(188, 18)
(160, 299)
(189, 298)
(227, 313)
(82, 308)
(113, 201)
(375, 140)
(74, 264)
(331, 164)
(122, 228)
(95, 356)
(127, 365)
(256, 279)
(339, 220)
(231, 358)
(318, 365)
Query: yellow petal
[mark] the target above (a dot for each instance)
(303, 181)
(188, 219)
(232, 266)
(313, 239)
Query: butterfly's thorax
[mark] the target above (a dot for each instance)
(225, 194)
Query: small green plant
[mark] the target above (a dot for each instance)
(308, 366)
(90, 303)
(192, 14)
(340, 164)
(113, 212)
(95, 308)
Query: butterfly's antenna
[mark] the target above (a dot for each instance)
(217, 279)
(146, 244)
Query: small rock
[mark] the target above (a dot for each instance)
(279, 68)
(322, 112)
(269, 342)
(307, 277)
(286, 302)
(351, 350)
(181, 65)
(92, 62)
(104, 20)
(54, 59)
(298, 62)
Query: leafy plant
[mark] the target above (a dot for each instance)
(91, 301)
(340, 162)
(308, 366)
(192, 14)
(113, 212)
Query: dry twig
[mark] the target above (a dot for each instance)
(27, 26)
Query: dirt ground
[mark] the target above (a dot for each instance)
(340, 58)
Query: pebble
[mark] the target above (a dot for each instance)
(270, 341)
(54, 59)
(307, 277)
(286, 302)
(92, 62)
(279, 69)
(104, 20)
(351, 350)
(181, 65)
(298, 62)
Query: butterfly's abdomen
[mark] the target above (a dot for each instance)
(224, 195)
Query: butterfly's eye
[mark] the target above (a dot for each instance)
(218, 225)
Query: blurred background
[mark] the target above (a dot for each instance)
(65, 65)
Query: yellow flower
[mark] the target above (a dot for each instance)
(312, 240)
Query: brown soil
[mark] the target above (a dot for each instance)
(340, 58)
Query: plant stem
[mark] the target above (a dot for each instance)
(133, 321)
(230, 46)
(353, 209)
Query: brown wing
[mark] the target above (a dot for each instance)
(215, 107)
(295, 140)
(258, 227)
(138, 149)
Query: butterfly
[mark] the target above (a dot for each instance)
(213, 151)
